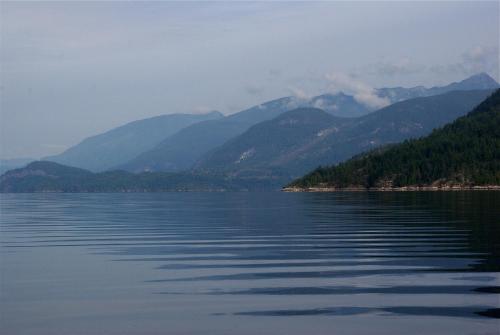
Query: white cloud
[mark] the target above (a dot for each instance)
(363, 93)
(202, 110)
(299, 98)
(299, 93)
(322, 104)
(480, 58)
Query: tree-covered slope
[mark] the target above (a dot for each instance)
(273, 144)
(118, 145)
(463, 153)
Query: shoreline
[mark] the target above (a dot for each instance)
(394, 189)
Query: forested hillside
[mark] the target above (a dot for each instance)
(463, 153)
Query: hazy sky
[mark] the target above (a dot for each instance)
(73, 69)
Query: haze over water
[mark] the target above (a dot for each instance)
(250, 263)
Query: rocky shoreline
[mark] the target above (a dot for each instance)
(395, 189)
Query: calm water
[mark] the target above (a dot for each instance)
(250, 263)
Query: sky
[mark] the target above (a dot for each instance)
(69, 70)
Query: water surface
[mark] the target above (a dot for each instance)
(250, 263)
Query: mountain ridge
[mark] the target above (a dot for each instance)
(268, 149)
(479, 81)
(105, 150)
(42, 176)
(464, 154)
(183, 151)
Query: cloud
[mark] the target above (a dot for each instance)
(299, 93)
(362, 93)
(323, 104)
(402, 66)
(481, 58)
(478, 59)
(202, 110)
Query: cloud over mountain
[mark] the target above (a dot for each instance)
(362, 92)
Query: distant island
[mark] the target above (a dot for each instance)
(462, 155)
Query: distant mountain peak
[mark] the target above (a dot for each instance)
(481, 79)
(481, 75)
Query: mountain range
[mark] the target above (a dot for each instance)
(177, 143)
(264, 146)
(465, 153)
(480, 81)
(184, 150)
(300, 140)
(104, 151)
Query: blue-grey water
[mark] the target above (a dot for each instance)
(250, 263)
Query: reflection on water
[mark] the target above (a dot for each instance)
(247, 263)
